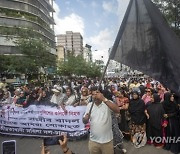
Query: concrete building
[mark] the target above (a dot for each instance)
(19, 16)
(71, 41)
(87, 53)
(60, 53)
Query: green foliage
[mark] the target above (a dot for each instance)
(78, 66)
(17, 64)
(34, 53)
(171, 11)
(37, 52)
(93, 70)
(3, 63)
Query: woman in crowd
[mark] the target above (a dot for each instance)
(69, 98)
(138, 118)
(22, 100)
(16, 95)
(7, 99)
(147, 96)
(43, 98)
(113, 89)
(173, 127)
(123, 104)
(84, 98)
(161, 91)
(32, 98)
(156, 120)
(117, 137)
(117, 134)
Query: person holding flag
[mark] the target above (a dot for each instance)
(101, 135)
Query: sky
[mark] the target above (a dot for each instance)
(98, 21)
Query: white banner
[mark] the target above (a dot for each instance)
(42, 121)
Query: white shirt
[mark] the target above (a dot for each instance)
(100, 123)
(8, 101)
(57, 99)
(70, 100)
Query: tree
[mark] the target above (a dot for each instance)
(94, 70)
(3, 63)
(36, 52)
(171, 11)
(33, 53)
(78, 66)
(17, 64)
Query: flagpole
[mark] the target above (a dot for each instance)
(115, 46)
(102, 77)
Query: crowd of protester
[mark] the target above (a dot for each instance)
(146, 109)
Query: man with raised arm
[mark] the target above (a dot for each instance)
(101, 136)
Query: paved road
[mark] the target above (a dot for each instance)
(32, 146)
(81, 147)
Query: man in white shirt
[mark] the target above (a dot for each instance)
(101, 136)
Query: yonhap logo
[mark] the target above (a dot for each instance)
(165, 139)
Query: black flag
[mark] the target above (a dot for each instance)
(146, 43)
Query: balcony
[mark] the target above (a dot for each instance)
(47, 5)
(25, 23)
(13, 32)
(23, 15)
(26, 7)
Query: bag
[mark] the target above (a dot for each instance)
(139, 139)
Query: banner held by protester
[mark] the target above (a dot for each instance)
(42, 121)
